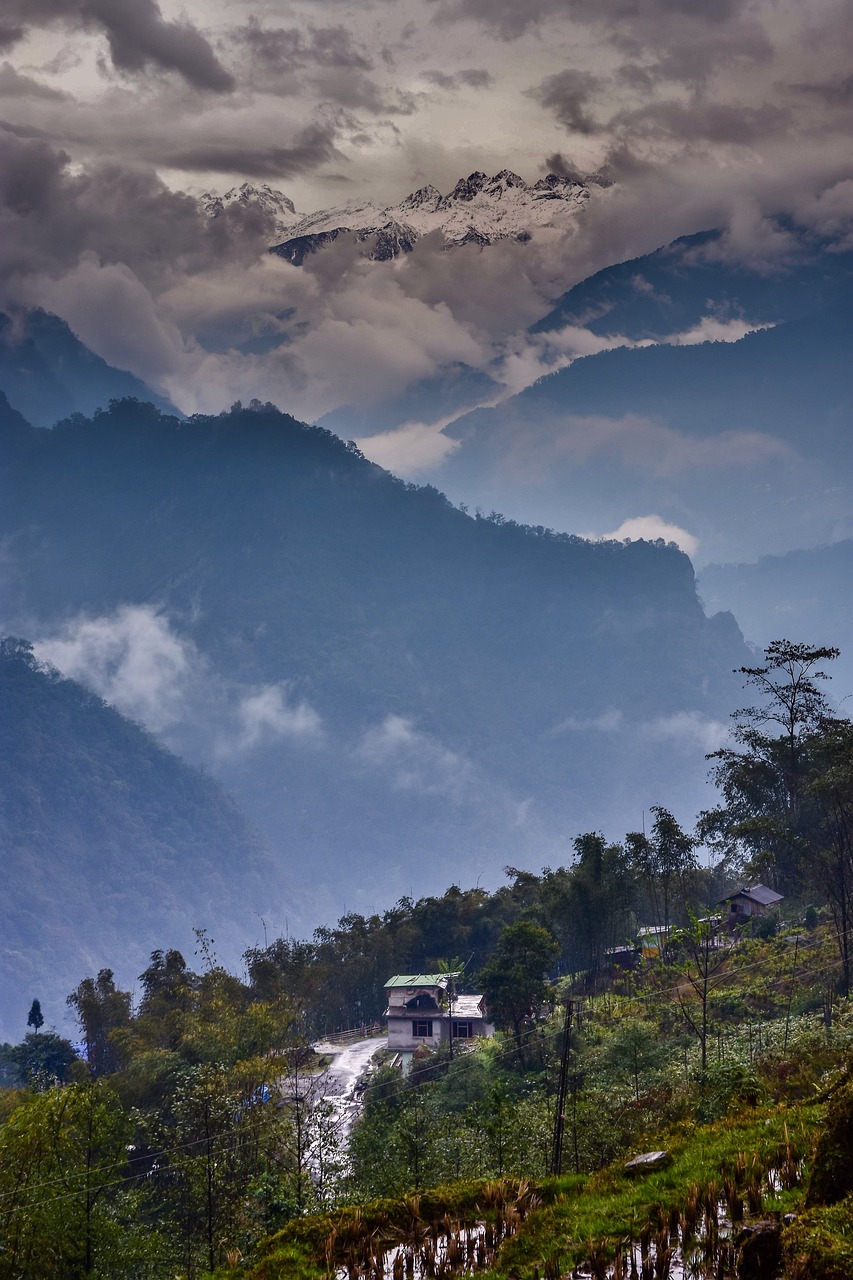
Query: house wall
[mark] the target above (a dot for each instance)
(401, 1037)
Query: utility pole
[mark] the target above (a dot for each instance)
(559, 1114)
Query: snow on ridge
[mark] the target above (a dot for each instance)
(264, 197)
(479, 209)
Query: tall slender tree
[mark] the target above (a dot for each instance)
(35, 1017)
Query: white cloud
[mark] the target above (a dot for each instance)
(712, 329)
(409, 449)
(651, 527)
(131, 659)
(268, 714)
(415, 761)
(609, 721)
(689, 727)
(137, 661)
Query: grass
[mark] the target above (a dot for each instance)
(612, 1207)
(568, 1219)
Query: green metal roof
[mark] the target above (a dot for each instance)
(419, 979)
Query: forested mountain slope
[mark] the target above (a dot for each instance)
(739, 442)
(390, 686)
(46, 372)
(110, 845)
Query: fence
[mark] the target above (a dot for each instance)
(354, 1033)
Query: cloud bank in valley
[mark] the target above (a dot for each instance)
(138, 660)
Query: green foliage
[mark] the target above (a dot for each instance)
(832, 1169)
(788, 799)
(41, 1060)
(64, 1210)
(514, 979)
(819, 1244)
(107, 837)
(101, 1011)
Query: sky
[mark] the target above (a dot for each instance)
(116, 114)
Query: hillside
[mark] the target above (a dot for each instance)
(669, 291)
(111, 846)
(739, 442)
(802, 593)
(388, 685)
(46, 372)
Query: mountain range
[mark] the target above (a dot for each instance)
(721, 402)
(398, 694)
(479, 210)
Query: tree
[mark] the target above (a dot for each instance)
(513, 980)
(65, 1211)
(101, 1009)
(601, 892)
(698, 967)
(790, 692)
(42, 1061)
(788, 797)
(35, 1017)
(636, 1049)
(662, 861)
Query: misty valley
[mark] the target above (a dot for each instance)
(252, 683)
(426, 785)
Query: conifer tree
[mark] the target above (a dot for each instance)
(35, 1017)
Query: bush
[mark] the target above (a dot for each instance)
(832, 1170)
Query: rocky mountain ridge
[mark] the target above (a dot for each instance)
(479, 210)
(265, 198)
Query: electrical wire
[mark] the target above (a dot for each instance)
(393, 1088)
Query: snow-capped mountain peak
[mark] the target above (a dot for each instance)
(479, 210)
(264, 197)
(427, 197)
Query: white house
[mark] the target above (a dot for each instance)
(423, 1008)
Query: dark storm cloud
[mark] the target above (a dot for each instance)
(693, 62)
(567, 94)
(23, 131)
(137, 34)
(506, 19)
(29, 174)
(706, 122)
(50, 217)
(15, 85)
(282, 50)
(837, 92)
(559, 164)
(510, 19)
(473, 77)
(313, 147)
(9, 34)
(324, 63)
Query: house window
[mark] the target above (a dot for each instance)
(422, 1029)
(463, 1031)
